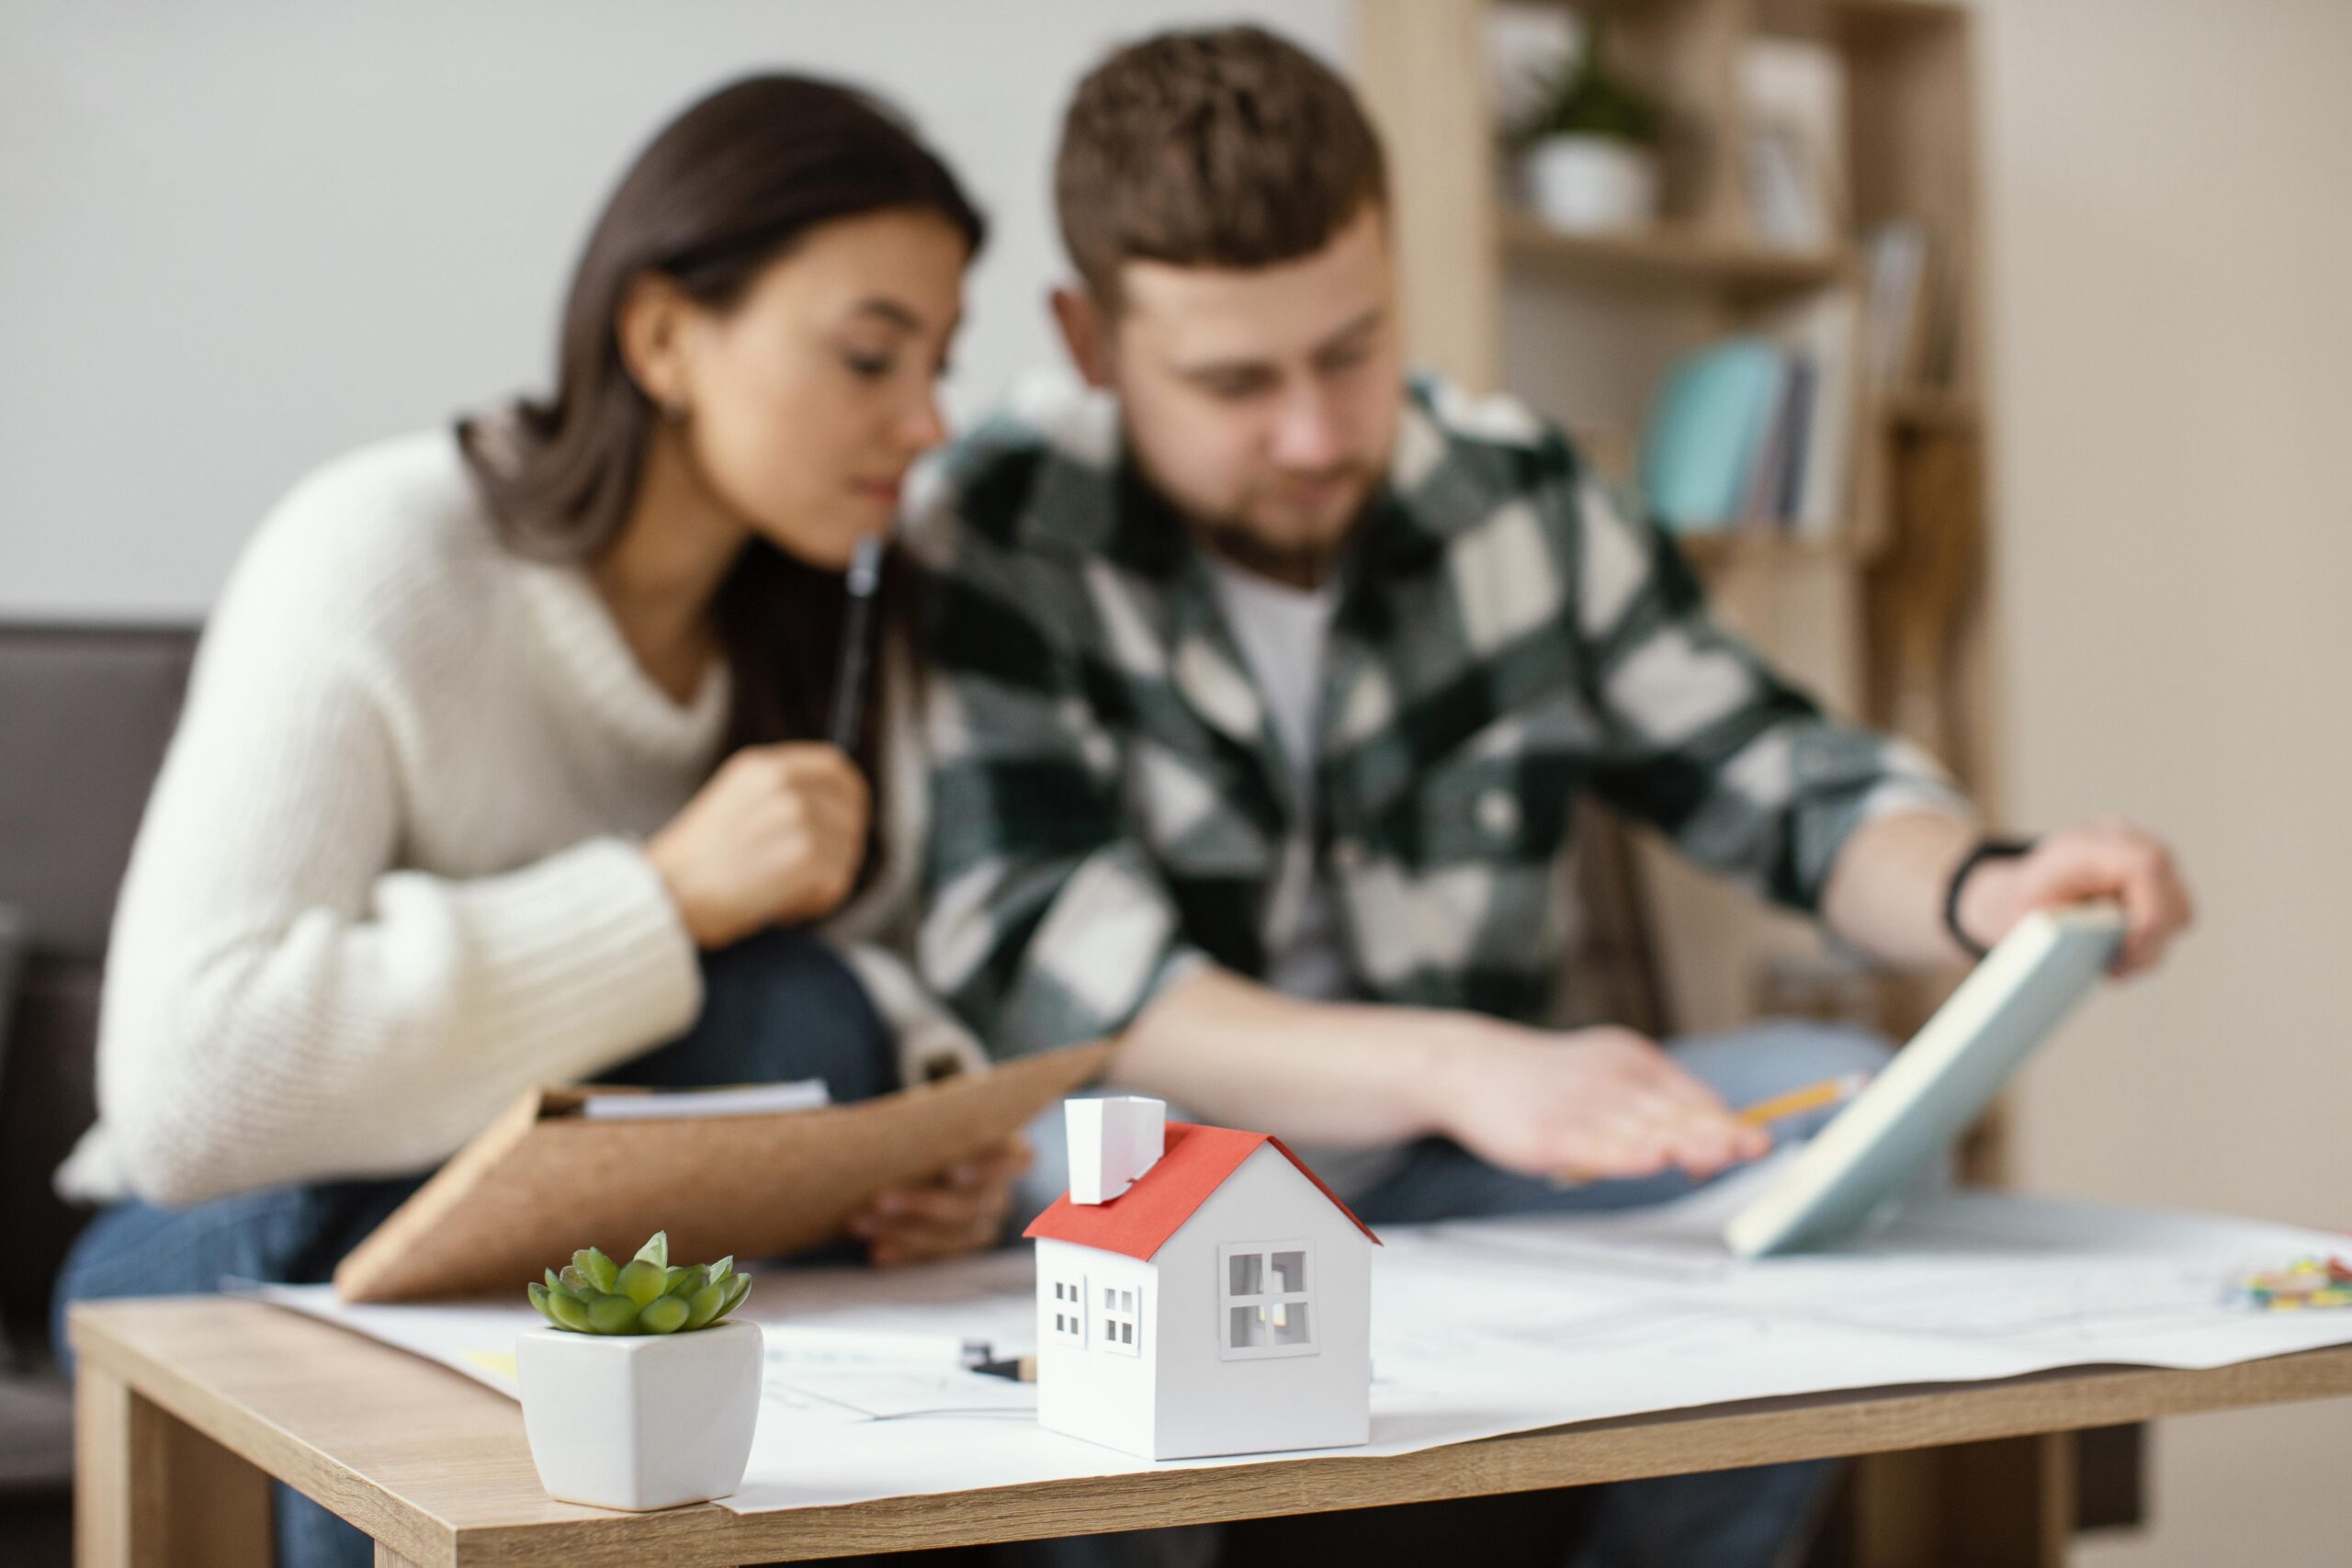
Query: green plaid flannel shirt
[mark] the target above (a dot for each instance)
(1109, 801)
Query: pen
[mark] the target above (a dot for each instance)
(818, 1342)
(857, 620)
(1013, 1369)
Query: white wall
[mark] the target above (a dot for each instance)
(2171, 206)
(239, 236)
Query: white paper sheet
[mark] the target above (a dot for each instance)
(746, 1100)
(1482, 1327)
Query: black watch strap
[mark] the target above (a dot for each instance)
(1987, 849)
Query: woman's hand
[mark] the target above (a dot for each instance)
(961, 1209)
(774, 838)
(1592, 1105)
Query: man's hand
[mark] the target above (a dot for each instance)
(1592, 1105)
(961, 1209)
(2105, 860)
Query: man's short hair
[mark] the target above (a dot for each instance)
(1227, 148)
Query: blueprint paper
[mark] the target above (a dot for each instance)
(1482, 1327)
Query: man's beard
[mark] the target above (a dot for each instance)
(1302, 563)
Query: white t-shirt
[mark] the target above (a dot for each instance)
(1282, 633)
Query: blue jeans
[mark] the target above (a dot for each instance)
(1732, 1518)
(776, 1007)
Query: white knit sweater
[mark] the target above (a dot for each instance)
(391, 875)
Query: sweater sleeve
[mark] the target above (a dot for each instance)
(280, 1005)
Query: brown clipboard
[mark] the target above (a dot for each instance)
(543, 1180)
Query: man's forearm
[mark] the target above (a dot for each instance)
(1885, 894)
(1232, 1050)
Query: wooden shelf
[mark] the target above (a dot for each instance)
(1738, 547)
(1874, 21)
(1928, 407)
(1678, 258)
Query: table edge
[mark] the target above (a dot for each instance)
(1836, 1424)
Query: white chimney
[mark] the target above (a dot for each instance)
(1112, 1141)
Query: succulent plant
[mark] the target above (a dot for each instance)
(645, 1295)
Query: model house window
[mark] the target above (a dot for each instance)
(1266, 1290)
(1119, 1323)
(1068, 1312)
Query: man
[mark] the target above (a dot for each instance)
(1268, 685)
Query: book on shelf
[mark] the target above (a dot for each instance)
(1911, 319)
(1707, 431)
(1822, 331)
(1897, 262)
(1792, 104)
(1776, 474)
(1788, 495)
(1755, 431)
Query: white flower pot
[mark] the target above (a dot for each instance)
(1589, 184)
(640, 1421)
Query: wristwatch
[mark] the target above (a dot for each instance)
(1987, 849)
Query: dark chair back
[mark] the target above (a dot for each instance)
(1613, 974)
(85, 713)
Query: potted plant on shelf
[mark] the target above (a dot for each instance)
(641, 1394)
(1589, 161)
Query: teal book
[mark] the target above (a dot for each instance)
(1706, 432)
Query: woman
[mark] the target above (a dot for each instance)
(502, 763)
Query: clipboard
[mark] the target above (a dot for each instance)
(543, 1179)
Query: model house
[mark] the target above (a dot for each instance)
(1199, 1292)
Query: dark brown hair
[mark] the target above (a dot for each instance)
(1226, 148)
(720, 192)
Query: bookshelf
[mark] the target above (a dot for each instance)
(1881, 613)
(1672, 258)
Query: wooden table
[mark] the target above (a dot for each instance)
(187, 1405)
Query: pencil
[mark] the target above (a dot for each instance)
(1813, 1096)
(857, 640)
(1763, 1113)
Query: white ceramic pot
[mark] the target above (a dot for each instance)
(640, 1421)
(1589, 184)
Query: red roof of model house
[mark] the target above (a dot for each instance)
(1192, 1164)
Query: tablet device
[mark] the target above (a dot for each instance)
(1936, 1087)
